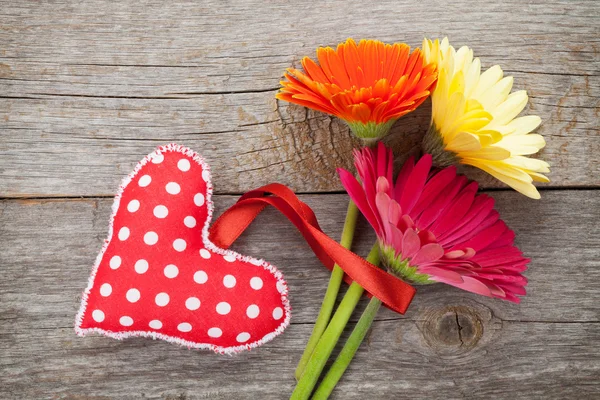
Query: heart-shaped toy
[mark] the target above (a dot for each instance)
(158, 274)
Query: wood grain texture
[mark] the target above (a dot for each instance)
(450, 344)
(86, 88)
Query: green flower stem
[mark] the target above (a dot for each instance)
(331, 336)
(345, 357)
(332, 291)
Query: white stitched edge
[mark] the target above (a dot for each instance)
(172, 147)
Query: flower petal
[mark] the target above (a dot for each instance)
(428, 253)
(358, 196)
(411, 243)
(415, 184)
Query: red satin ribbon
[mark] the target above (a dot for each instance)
(393, 292)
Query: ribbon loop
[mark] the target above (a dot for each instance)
(392, 291)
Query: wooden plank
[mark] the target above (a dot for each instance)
(84, 97)
(87, 89)
(514, 360)
(194, 35)
(450, 344)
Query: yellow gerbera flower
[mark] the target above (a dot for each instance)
(473, 120)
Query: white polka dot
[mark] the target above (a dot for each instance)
(133, 206)
(105, 290)
(173, 188)
(161, 211)
(150, 238)
(183, 165)
(115, 262)
(229, 258)
(215, 332)
(193, 303)
(126, 321)
(281, 287)
(189, 221)
(145, 180)
(123, 233)
(155, 324)
(223, 308)
(243, 337)
(171, 271)
(141, 266)
(199, 199)
(200, 277)
(98, 315)
(204, 254)
(157, 158)
(132, 295)
(256, 283)
(252, 311)
(161, 299)
(277, 313)
(184, 327)
(229, 281)
(179, 245)
(206, 175)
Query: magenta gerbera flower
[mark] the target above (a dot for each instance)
(432, 226)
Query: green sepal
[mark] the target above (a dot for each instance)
(401, 267)
(433, 143)
(371, 131)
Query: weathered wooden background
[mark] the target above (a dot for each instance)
(88, 88)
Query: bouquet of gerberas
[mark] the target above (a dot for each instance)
(431, 224)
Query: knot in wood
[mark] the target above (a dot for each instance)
(452, 330)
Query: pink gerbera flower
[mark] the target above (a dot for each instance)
(432, 226)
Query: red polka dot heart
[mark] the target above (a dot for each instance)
(158, 274)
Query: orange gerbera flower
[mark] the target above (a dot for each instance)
(369, 86)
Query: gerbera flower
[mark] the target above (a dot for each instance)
(473, 120)
(432, 226)
(369, 86)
